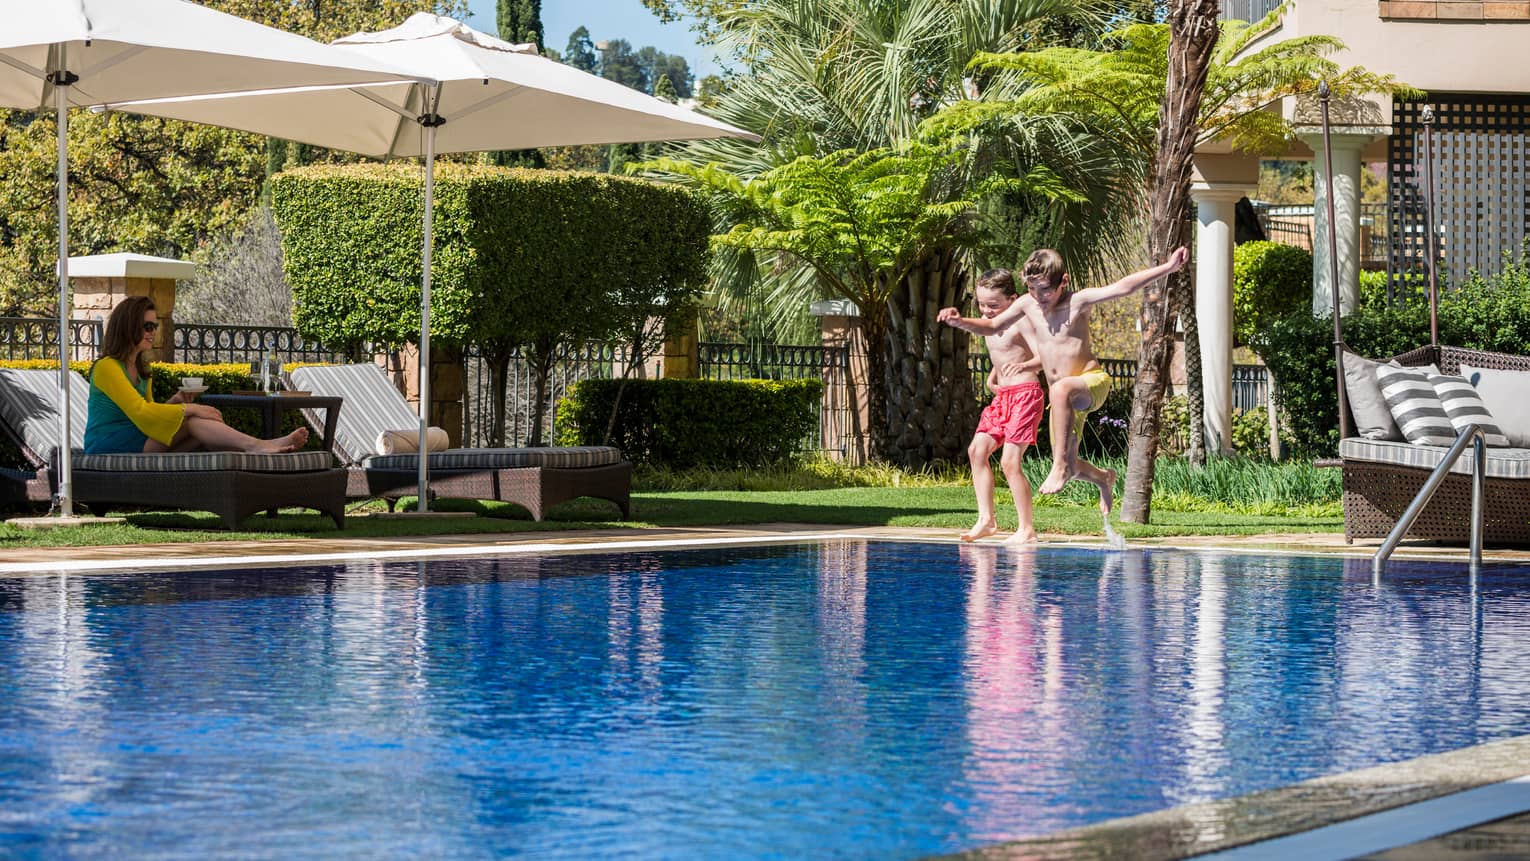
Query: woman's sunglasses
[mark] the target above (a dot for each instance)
(150, 326)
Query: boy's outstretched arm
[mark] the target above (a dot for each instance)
(981, 325)
(1133, 282)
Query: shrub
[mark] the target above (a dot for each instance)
(1251, 433)
(1270, 281)
(681, 424)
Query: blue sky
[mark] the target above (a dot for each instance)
(607, 19)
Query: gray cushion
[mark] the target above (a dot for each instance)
(206, 461)
(1501, 462)
(1372, 418)
(1414, 404)
(372, 405)
(1506, 394)
(1464, 408)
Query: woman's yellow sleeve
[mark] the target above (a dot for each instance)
(158, 422)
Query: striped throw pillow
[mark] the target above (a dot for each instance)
(1463, 406)
(1414, 405)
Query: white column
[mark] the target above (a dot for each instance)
(1216, 213)
(1346, 209)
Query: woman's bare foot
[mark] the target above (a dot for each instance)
(1108, 492)
(291, 442)
(983, 529)
(1027, 536)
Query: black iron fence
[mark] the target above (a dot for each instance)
(206, 343)
(1250, 383)
(32, 338)
(593, 360)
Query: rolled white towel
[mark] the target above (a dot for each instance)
(406, 441)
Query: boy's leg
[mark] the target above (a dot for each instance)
(1104, 479)
(1069, 396)
(979, 453)
(1012, 462)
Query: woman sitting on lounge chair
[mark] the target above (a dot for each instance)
(123, 416)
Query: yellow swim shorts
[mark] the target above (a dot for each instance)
(1099, 386)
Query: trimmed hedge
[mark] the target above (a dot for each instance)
(721, 424)
(1270, 281)
(517, 252)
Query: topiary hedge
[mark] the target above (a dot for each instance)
(689, 423)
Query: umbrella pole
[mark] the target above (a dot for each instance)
(1333, 264)
(61, 81)
(430, 121)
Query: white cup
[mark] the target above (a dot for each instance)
(191, 382)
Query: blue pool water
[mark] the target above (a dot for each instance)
(836, 700)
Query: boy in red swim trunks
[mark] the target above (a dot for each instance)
(1013, 416)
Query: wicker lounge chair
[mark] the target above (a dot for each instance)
(1381, 478)
(534, 478)
(232, 485)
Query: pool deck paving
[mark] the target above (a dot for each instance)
(1465, 805)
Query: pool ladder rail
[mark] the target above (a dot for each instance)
(1474, 435)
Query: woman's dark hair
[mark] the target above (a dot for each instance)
(124, 328)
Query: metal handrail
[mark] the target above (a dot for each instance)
(1474, 435)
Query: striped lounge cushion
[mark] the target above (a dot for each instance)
(206, 461)
(1501, 462)
(566, 457)
(1464, 408)
(1414, 404)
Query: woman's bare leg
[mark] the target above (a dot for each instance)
(199, 433)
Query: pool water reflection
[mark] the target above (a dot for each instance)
(842, 699)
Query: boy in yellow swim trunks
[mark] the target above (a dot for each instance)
(1077, 385)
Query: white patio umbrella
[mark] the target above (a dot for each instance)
(486, 94)
(55, 54)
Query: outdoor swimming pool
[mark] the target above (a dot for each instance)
(843, 699)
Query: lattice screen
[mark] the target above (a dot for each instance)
(1481, 184)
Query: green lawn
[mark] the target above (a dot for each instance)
(946, 506)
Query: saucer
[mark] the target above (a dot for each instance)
(196, 391)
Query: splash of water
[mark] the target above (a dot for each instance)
(1113, 539)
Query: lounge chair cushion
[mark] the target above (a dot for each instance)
(206, 461)
(1501, 462)
(1506, 394)
(570, 457)
(1372, 418)
(1464, 408)
(1414, 404)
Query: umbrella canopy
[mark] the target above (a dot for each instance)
(486, 94)
(55, 54)
(494, 95)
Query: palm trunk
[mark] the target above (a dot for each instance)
(930, 406)
(1193, 35)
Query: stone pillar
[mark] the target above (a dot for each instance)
(1346, 210)
(682, 351)
(445, 384)
(1216, 213)
(102, 281)
(846, 402)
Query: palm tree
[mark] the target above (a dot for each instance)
(833, 81)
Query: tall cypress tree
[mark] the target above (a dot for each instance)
(520, 21)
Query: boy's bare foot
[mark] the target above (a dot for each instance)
(1108, 492)
(1055, 479)
(983, 529)
(1026, 537)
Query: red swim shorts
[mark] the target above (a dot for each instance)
(1014, 414)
